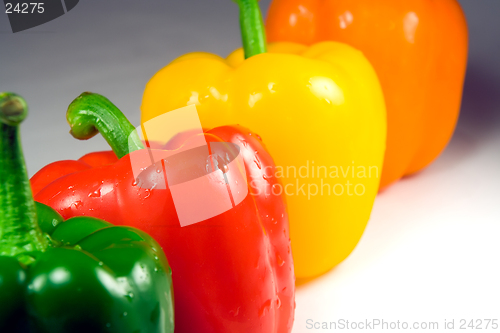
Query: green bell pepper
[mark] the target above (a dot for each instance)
(79, 275)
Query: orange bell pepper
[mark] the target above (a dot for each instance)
(419, 51)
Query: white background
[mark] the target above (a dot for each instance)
(431, 249)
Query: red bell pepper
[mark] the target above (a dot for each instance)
(232, 272)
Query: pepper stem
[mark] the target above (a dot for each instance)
(91, 113)
(253, 34)
(19, 230)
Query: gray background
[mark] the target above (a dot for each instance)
(113, 47)
(430, 251)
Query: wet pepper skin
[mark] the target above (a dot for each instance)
(96, 277)
(419, 51)
(78, 275)
(232, 272)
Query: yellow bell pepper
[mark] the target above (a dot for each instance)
(319, 110)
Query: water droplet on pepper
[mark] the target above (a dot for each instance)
(95, 194)
(265, 308)
(279, 260)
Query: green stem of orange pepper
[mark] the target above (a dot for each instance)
(253, 34)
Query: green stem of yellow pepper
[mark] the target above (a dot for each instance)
(19, 230)
(252, 28)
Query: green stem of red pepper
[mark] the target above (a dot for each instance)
(252, 28)
(91, 113)
(19, 230)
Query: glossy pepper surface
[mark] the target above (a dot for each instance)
(79, 275)
(321, 113)
(419, 51)
(232, 272)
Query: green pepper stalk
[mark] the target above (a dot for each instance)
(92, 113)
(78, 275)
(252, 28)
(19, 230)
